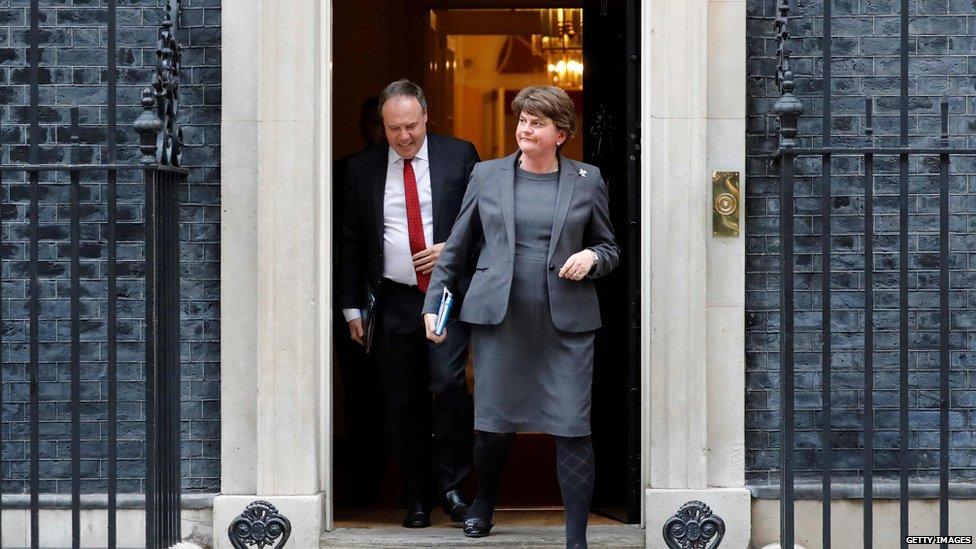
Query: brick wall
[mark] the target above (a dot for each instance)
(865, 62)
(73, 70)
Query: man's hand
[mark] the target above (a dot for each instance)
(424, 261)
(356, 330)
(578, 265)
(430, 321)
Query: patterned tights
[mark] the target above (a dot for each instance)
(574, 468)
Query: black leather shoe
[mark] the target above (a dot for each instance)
(455, 505)
(418, 515)
(477, 528)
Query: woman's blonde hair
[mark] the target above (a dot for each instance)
(550, 102)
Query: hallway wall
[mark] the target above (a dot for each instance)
(380, 41)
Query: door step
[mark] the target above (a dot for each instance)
(617, 536)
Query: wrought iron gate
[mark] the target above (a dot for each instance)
(866, 152)
(155, 277)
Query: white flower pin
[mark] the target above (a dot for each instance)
(582, 173)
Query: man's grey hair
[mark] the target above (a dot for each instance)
(403, 88)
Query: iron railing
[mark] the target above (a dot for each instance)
(163, 356)
(788, 108)
(162, 177)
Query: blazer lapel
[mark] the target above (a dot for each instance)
(436, 166)
(564, 195)
(506, 190)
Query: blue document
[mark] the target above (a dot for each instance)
(447, 299)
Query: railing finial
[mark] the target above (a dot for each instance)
(148, 125)
(788, 107)
(158, 125)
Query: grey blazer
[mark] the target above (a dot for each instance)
(487, 217)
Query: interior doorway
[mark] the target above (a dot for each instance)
(471, 57)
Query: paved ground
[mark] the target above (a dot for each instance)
(621, 536)
(541, 528)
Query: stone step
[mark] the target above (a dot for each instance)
(617, 537)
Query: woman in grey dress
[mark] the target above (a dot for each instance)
(538, 223)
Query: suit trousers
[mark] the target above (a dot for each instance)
(426, 394)
(361, 455)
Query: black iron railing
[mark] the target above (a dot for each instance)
(163, 356)
(162, 177)
(789, 108)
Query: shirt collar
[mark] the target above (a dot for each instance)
(392, 157)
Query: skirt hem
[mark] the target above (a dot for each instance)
(529, 427)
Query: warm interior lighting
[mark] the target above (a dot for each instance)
(561, 42)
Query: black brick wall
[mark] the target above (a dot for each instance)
(73, 70)
(865, 62)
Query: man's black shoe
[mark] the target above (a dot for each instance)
(418, 515)
(477, 528)
(455, 505)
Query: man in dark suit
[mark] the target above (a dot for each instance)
(361, 454)
(401, 201)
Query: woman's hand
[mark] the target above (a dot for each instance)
(578, 265)
(430, 321)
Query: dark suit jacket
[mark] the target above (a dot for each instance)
(361, 241)
(581, 220)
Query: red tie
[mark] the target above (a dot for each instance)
(415, 223)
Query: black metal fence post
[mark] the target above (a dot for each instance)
(788, 108)
(111, 331)
(34, 58)
(75, 231)
(869, 328)
(944, 325)
(161, 144)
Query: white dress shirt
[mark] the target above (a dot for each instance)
(397, 259)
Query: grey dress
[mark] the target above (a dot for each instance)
(529, 376)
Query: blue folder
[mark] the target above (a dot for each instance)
(443, 312)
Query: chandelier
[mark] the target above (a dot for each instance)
(561, 43)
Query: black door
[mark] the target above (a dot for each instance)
(611, 108)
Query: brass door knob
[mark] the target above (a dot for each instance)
(725, 204)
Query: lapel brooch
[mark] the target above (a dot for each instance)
(582, 172)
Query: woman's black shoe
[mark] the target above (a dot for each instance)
(477, 528)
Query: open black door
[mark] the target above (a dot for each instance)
(611, 107)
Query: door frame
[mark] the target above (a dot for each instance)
(639, 304)
(276, 125)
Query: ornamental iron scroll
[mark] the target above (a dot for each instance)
(694, 526)
(787, 107)
(160, 134)
(259, 524)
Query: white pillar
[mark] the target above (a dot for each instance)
(276, 59)
(678, 239)
(726, 271)
(238, 247)
(693, 115)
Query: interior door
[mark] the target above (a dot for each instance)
(611, 107)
